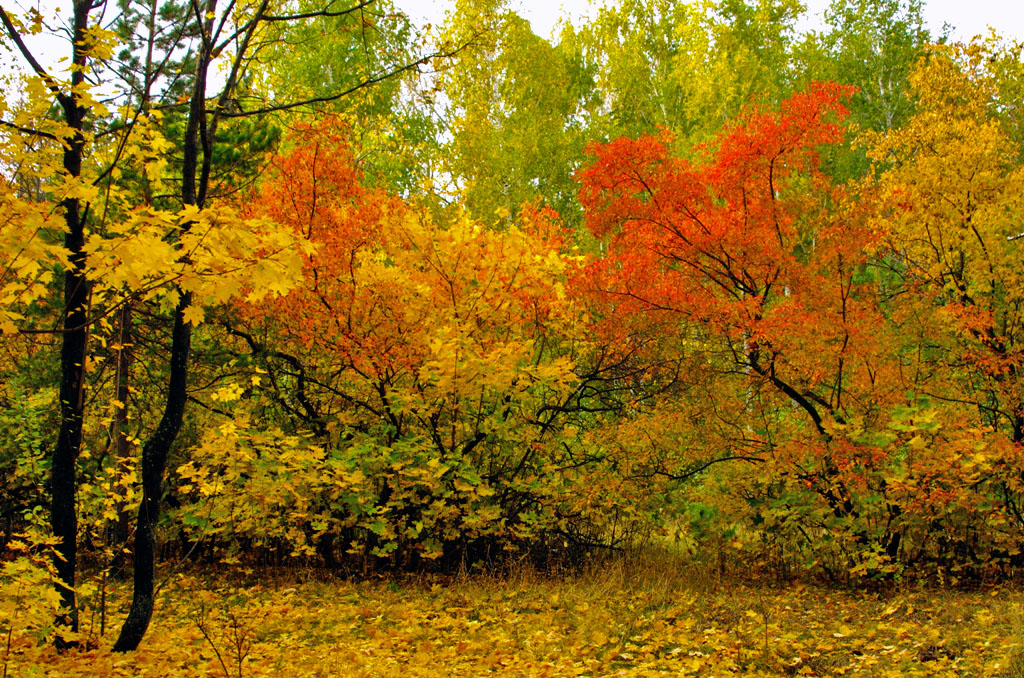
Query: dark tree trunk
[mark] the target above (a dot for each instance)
(122, 443)
(63, 484)
(156, 449)
(154, 461)
(63, 481)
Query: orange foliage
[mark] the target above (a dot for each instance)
(432, 363)
(754, 245)
(765, 270)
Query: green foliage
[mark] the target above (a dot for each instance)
(873, 45)
(687, 67)
(515, 114)
(317, 58)
(25, 420)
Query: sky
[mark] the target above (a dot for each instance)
(967, 17)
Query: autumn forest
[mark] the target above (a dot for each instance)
(684, 343)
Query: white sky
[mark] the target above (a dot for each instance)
(967, 17)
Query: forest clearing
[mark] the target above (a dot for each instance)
(687, 341)
(652, 616)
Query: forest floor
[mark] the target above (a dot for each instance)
(628, 618)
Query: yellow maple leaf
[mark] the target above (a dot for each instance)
(193, 315)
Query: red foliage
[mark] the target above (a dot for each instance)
(754, 244)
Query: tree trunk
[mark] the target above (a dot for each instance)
(122, 444)
(156, 449)
(154, 461)
(63, 484)
(63, 481)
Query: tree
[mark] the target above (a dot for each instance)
(872, 45)
(184, 251)
(515, 106)
(389, 125)
(687, 67)
(955, 226)
(432, 366)
(948, 187)
(73, 100)
(760, 259)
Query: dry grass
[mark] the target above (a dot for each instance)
(632, 616)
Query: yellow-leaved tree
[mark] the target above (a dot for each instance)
(948, 205)
(120, 199)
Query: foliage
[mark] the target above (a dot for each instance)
(952, 229)
(955, 226)
(874, 46)
(687, 67)
(765, 266)
(514, 107)
(316, 59)
(29, 599)
(754, 256)
(433, 368)
(23, 463)
(134, 181)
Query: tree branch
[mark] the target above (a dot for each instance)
(28, 130)
(29, 57)
(325, 14)
(702, 467)
(334, 97)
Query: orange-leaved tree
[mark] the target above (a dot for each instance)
(758, 263)
(431, 368)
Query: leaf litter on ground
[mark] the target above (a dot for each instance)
(622, 618)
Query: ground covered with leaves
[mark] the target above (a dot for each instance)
(623, 618)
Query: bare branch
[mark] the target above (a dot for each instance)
(28, 130)
(322, 13)
(689, 473)
(334, 97)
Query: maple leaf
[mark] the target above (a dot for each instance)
(194, 314)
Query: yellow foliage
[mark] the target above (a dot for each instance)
(29, 601)
(951, 183)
